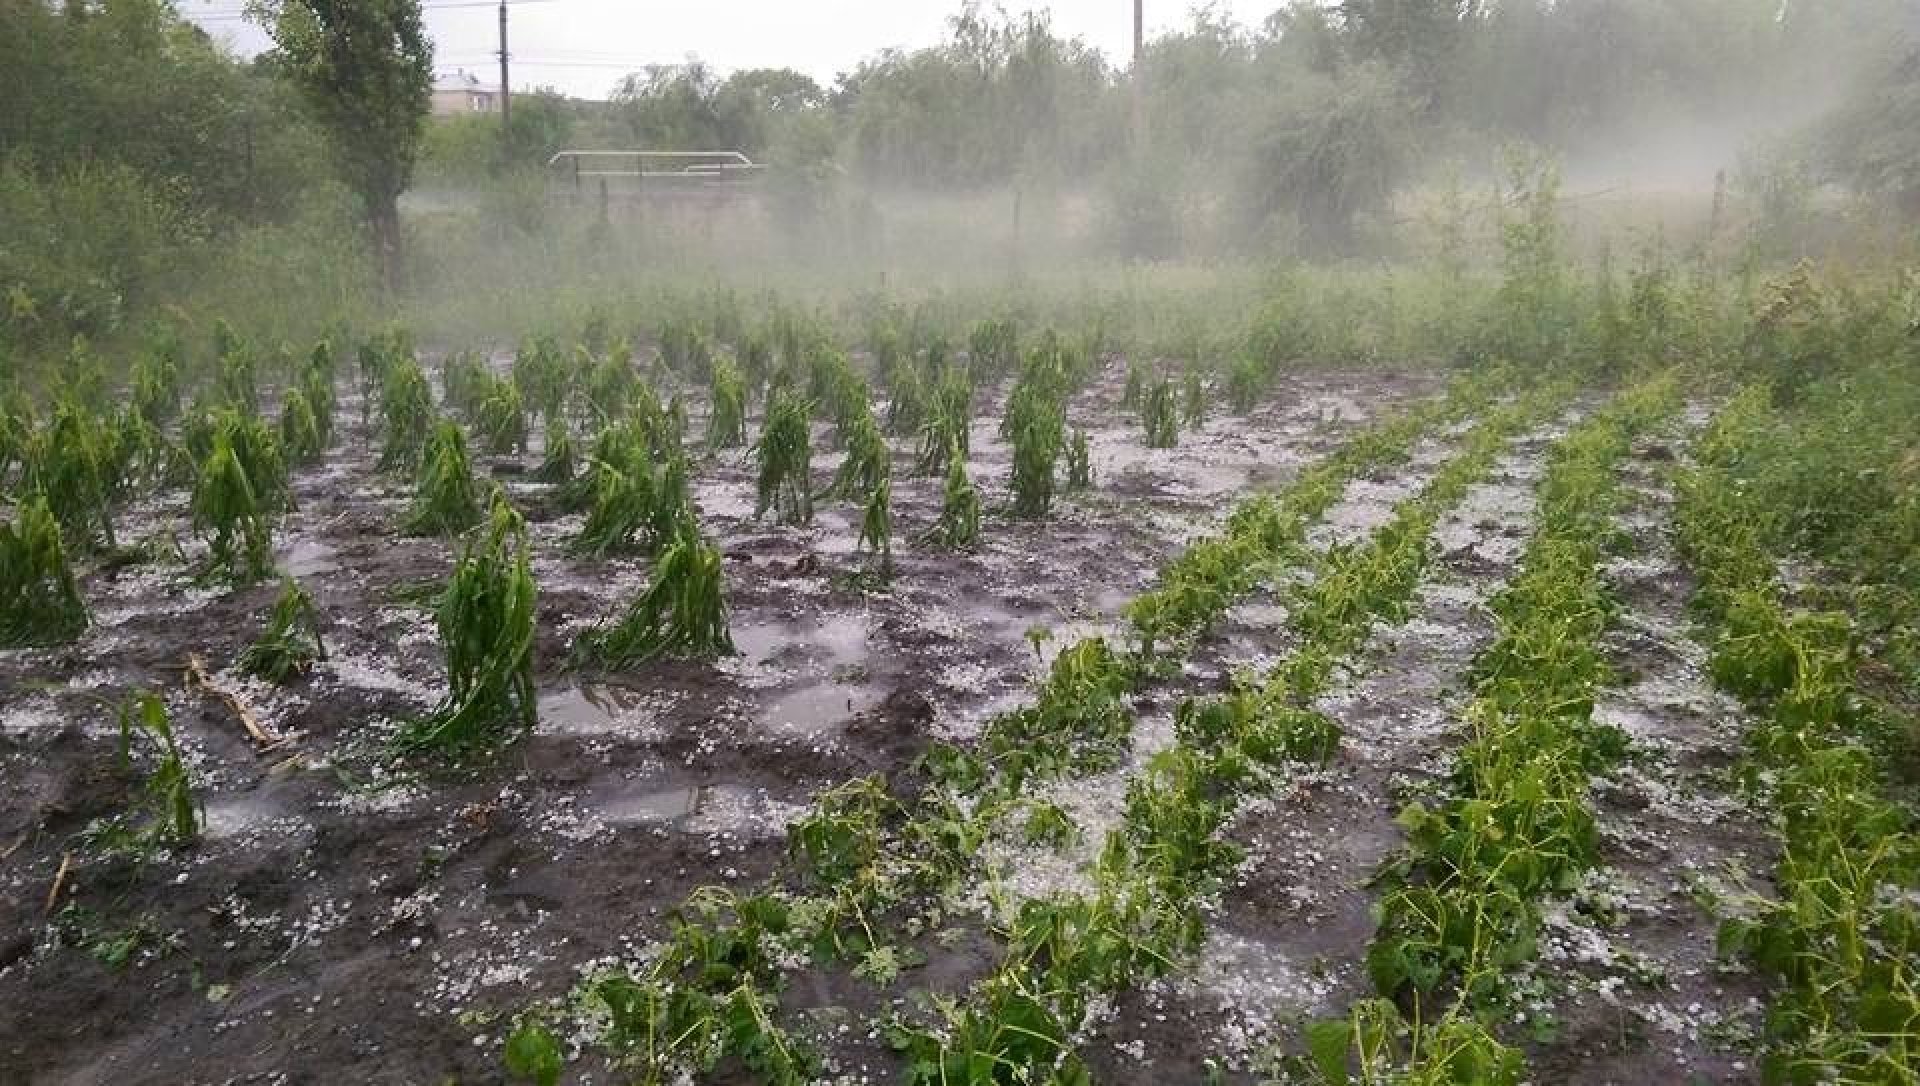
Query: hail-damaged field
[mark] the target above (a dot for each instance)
(1034, 718)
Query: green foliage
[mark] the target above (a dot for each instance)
(231, 515)
(558, 461)
(1079, 462)
(291, 643)
(634, 506)
(785, 454)
(71, 462)
(501, 418)
(868, 464)
(299, 429)
(727, 425)
(171, 812)
(40, 602)
(949, 425)
(683, 612)
(959, 524)
(486, 622)
(156, 389)
(446, 501)
(1160, 416)
(406, 415)
(366, 70)
(876, 528)
(1036, 422)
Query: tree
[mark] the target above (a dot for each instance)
(366, 68)
(1872, 141)
(1329, 150)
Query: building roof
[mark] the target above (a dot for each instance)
(461, 80)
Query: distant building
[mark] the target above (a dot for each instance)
(461, 92)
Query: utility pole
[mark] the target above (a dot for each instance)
(506, 93)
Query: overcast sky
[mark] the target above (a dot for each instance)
(583, 46)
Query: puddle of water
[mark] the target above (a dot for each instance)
(648, 807)
(818, 708)
(841, 637)
(306, 558)
(591, 708)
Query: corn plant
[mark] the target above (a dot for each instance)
(1133, 396)
(612, 383)
(406, 413)
(868, 464)
(464, 381)
(559, 459)
(1079, 462)
(71, 461)
(239, 382)
(1160, 416)
(876, 529)
(40, 601)
(500, 419)
(948, 428)
(907, 399)
(959, 524)
(291, 643)
(316, 382)
(486, 621)
(171, 812)
(727, 425)
(785, 454)
(156, 389)
(541, 373)
(446, 500)
(683, 611)
(299, 429)
(1193, 401)
(257, 446)
(228, 514)
(634, 508)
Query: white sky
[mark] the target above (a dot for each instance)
(583, 46)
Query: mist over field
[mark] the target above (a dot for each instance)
(1349, 542)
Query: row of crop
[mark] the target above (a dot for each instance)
(864, 853)
(1464, 900)
(1167, 858)
(1842, 938)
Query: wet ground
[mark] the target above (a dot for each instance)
(344, 918)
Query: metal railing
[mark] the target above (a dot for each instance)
(642, 167)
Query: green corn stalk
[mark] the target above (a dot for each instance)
(239, 378)
(446, 500)
(1036, 445)
(40, 602)
(406, 414)
(611, 383)
(683, 612)
(623, 505)
(299, 429)
(486, 620)
(1161, 417)
(868, 465)
(1079, 462)
(959, 525)
(70, 461)
(1193, 401)
(173, 814)
(257, 446)
(156, 388)
(558, 462)
(785, 454)
(541, 373)
(1134, 396)
(949, 425)
(907, 405)
(501, 418)
(876, 529)
(465, 382)
(229, 516)
(727, 426)
(316, 381)
(291, 643)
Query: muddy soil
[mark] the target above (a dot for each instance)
(349, 919)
